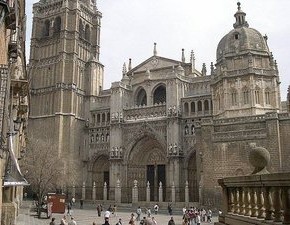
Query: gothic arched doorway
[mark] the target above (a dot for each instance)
(147, 163)
(192, 178)
(100, 175)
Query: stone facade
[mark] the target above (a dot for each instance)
(13, 107)
(165, 121)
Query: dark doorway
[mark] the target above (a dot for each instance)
(155, 175)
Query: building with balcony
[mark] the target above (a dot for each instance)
(166, 128)
(13, 106)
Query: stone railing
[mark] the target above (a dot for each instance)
(145, 112)
(256, 199)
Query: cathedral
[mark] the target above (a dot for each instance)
(165, 124)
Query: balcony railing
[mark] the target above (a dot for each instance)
(256, 199)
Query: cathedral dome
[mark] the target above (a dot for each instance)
(241, 39)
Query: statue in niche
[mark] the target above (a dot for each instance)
(175, 149)
(116, 151)
(121, 152)
(170, 149)
(112, 152)
(186, 130)
(102, 137)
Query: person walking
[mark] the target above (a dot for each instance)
(99, 210)
(72, 221)
(63, 220)
(138, 212)
(119, 222)
(52, 221)
(171, 221)
(154, 222)
(156, 208)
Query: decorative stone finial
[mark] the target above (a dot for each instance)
(203, 71)
(239, 5)
(192, 59)
(259, 158)
(240, 18)
(155, 50)
(124, 71)
(130, 64)
(182, 56)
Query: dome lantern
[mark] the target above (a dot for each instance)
(240, 18)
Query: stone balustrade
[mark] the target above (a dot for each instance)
(256, 199)
(145, 112)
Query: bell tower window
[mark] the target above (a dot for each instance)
(46, 28)
(57, 25)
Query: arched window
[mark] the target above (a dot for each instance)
(245, 96)
(159, 95)
(267, 97)
(192, 104)
(234, 100)
(87, 33)
(103, 117)
(98, 118)
(46, 28)
(81, 29)
(141, 98)
(57, 25)
(186, 108)
(199, 106)
(108, 117)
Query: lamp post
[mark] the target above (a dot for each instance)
(4, 9)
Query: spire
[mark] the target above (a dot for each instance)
(240, 18)
(124, 71)
(130, 64)
(192, 61)
(154, 50)
(203, 71)
(182, 56)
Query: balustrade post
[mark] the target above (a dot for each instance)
(277, 204)
(268, 204)
(247, 202)
(242, 201)
(254, 206)
(286, 205)
(260, 203)
(236, 200)
(231, 200)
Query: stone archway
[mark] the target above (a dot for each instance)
(192, 178)
(147, 162)
(100, 175)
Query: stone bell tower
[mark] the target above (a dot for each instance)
(65, 73)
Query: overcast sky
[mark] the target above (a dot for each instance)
(130, 27)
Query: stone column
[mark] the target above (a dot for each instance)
(135, 192)
(84, 191)
(118, 192)
(186, 197)
(148, 192)
(94, 191)
(105, 192)
(160, 192)
(173, 192)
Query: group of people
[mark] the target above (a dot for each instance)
(63, 221)
(194, 216)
